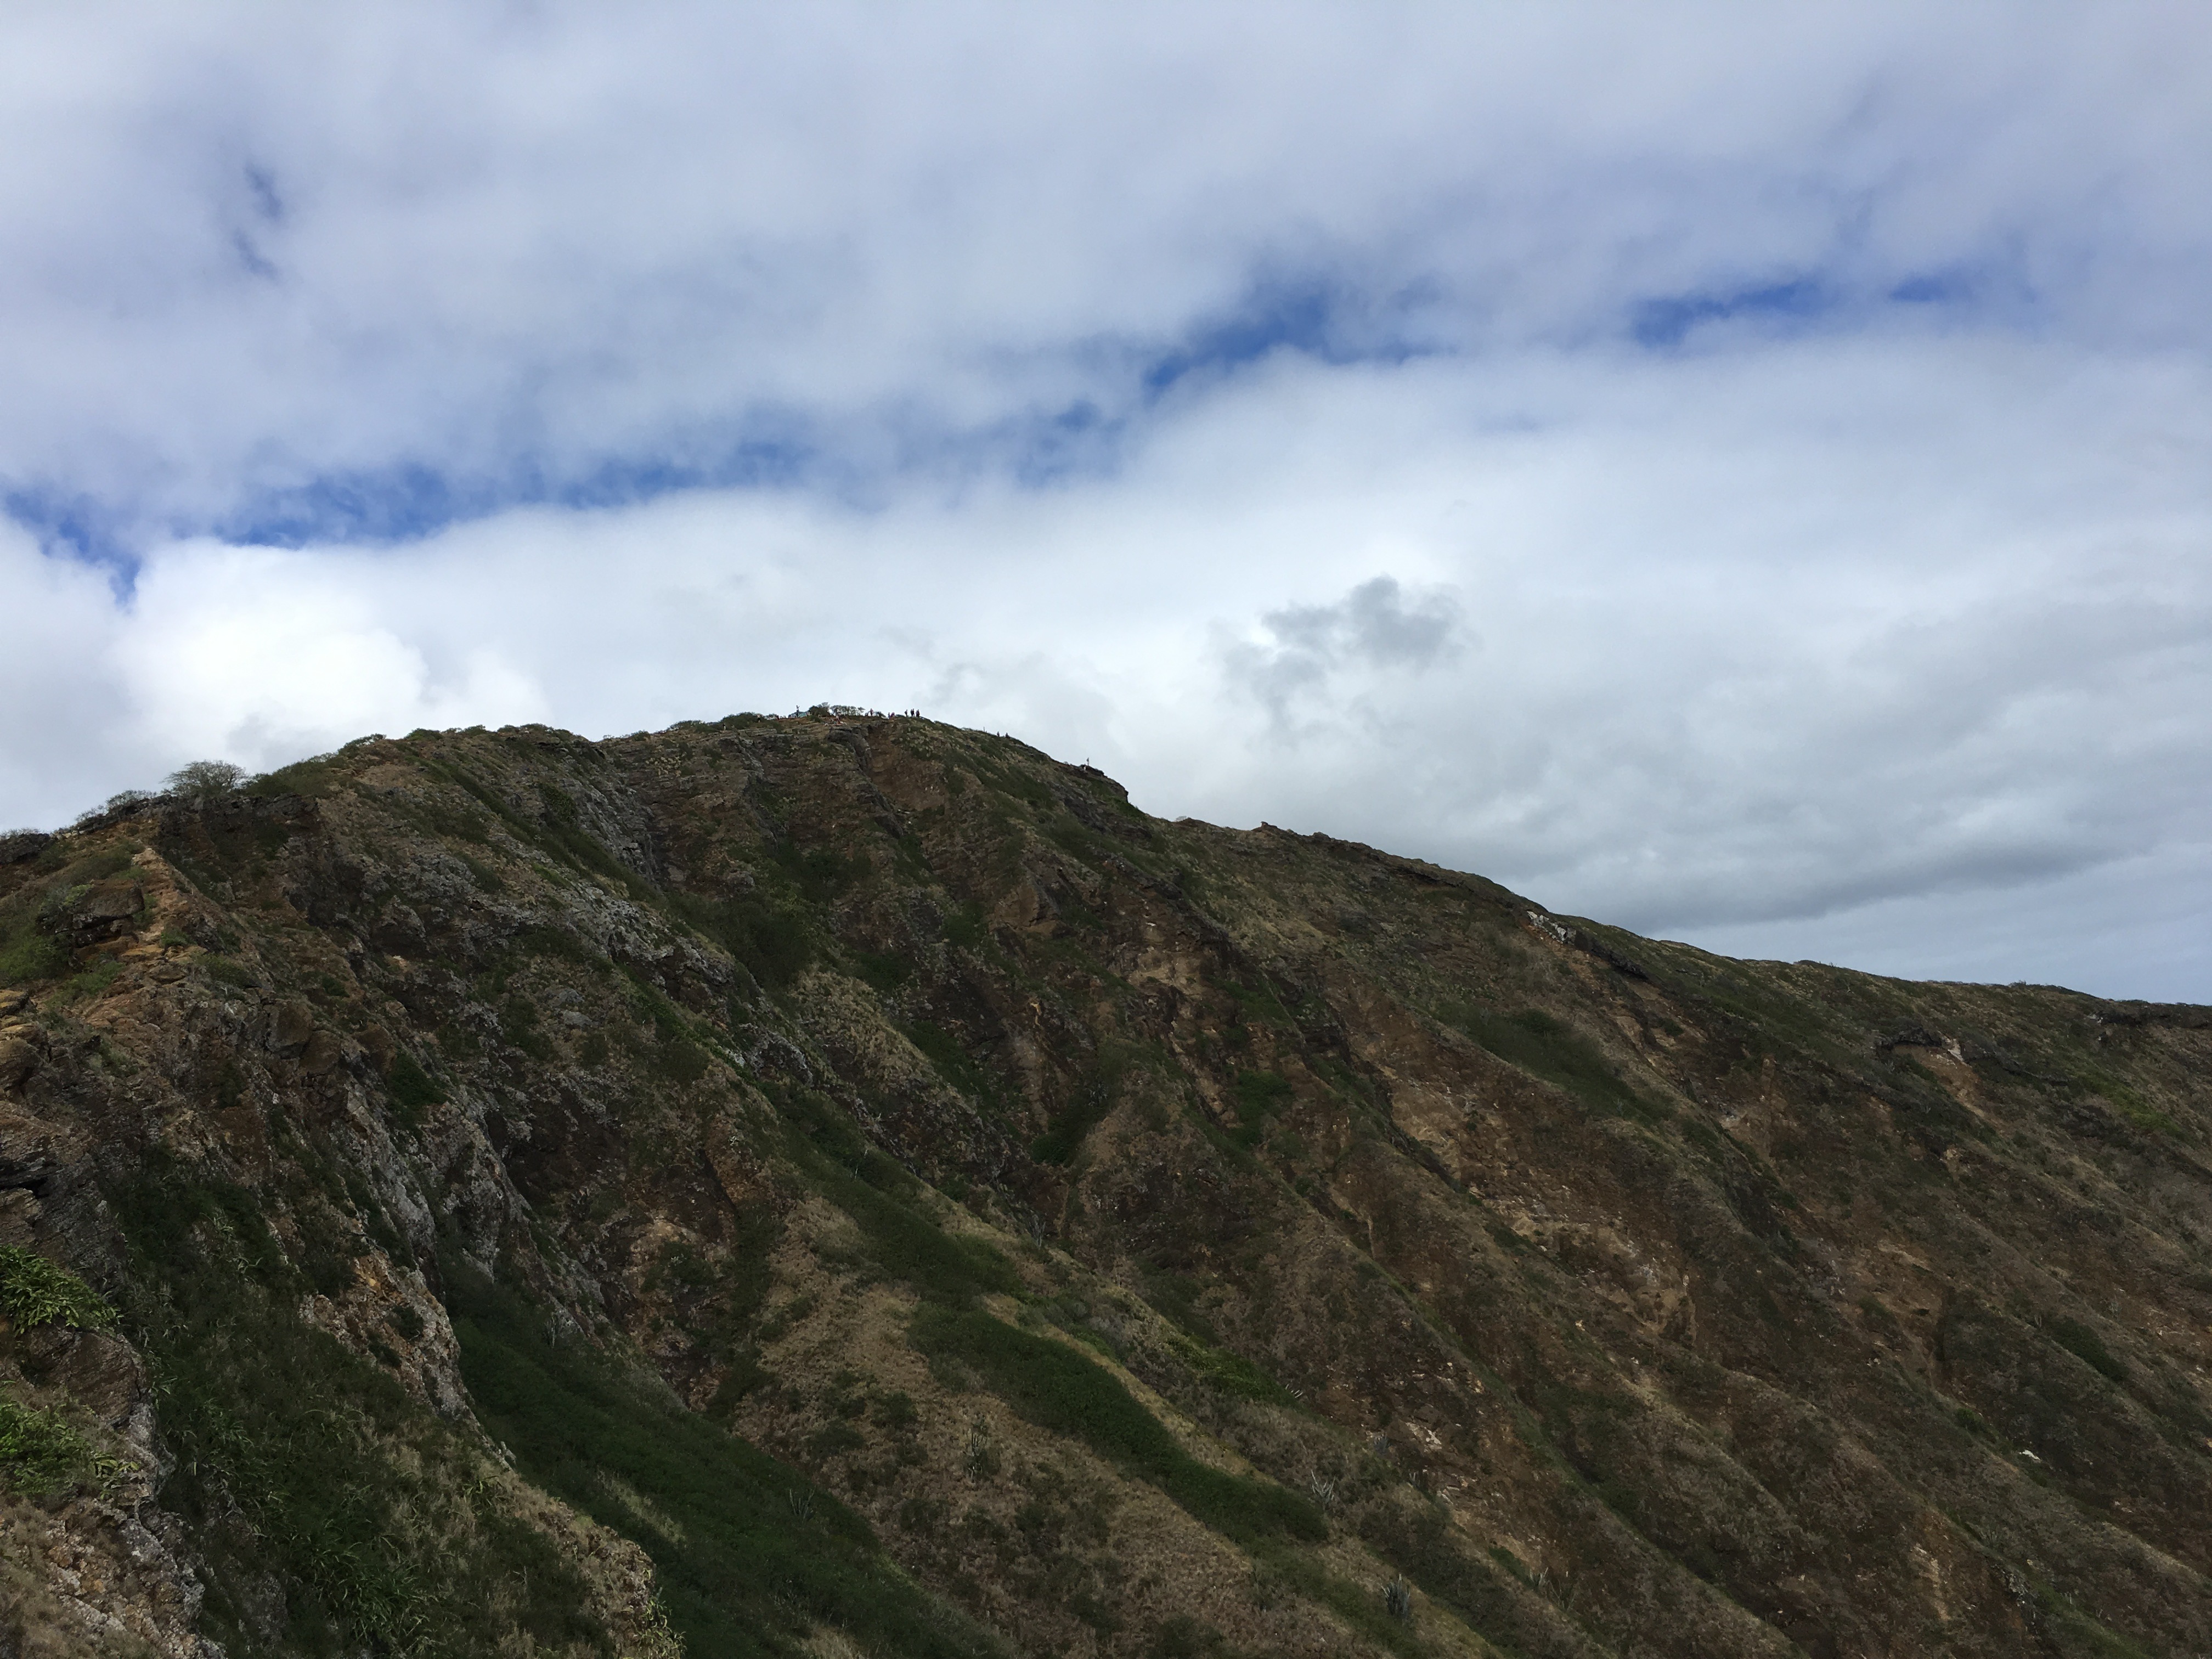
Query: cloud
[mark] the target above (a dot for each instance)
(1739, 472)
(1371, 627)
(333, 276)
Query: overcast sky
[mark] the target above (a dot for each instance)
(1739, 472)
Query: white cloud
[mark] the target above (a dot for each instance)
(247, 250)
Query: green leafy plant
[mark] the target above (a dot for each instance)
(29, 957)
(34, 1292)
(42, 1453)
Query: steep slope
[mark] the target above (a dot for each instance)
(846, 1184)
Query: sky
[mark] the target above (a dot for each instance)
(1740, 472)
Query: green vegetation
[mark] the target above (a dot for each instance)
(1230, 1373)
(225, 971)
(1060, 1390)
(680, 1061)
(1546, 1046)
(32, 916)
(1259, 1003)
(1260, 1096)
(2126, 1101)
(487, 880)
(27, 956)
(1255, 1063)
(43, 1455)
(884, 970)
(312, 778)
(821, 874)
(964, 927)
(82, 988)
(204, 780)
(1087, 1106)
(771, 942)
(872, 1189)
(1012, 781)
(564, 829)
(34, 1292)
(412, 1550)
(560, 831)
(2086, 1345)
(411, 1088)
(743, 1569)
(943, 1050)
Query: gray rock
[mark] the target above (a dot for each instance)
(292, 1028)
(23, 845)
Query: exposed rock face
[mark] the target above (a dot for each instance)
(846, 1184)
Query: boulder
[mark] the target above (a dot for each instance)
(323, 1051)
(19, 1058)
(293, 1027)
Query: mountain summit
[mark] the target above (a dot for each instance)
(844, 1185)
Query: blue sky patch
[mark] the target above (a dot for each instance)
(1662, 323)
(1933, 288)
(1317, 318)
(408, 502)
(75, 526)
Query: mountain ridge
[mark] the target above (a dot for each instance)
(842, 1184)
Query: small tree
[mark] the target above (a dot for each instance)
(205, 779)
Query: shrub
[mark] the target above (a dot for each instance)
(821, 875)
(680, 1061)
(1260, 1095)
(40, 1454)
(943, 1051)
(34, 1292)
(884, 970)
(410, 1087)
(312, 778)
(2087, 1347)
(230, 972)
(205, 779)
(29, 957)
(964, 927)
(1179, 1635)
(1087, 1106)
(1230, 1373)
(1546, 1046)
(93, 980)
(771, 944)
(908, 1245)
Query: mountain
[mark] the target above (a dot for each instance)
(844, 1185)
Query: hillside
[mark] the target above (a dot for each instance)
(847, 1185)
